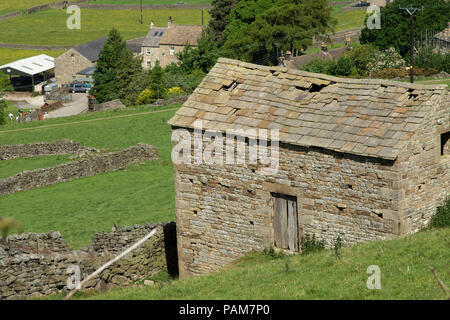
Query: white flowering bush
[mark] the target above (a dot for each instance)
(388, 59)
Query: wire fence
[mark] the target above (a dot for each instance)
(434, 39)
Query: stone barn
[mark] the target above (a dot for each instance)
(359, 159)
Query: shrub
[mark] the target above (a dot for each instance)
(310, 244)
(318, 65)
(390, 73)
(442, 217)
(175, 91)
(389, 58)
(432, 59)
(271, 253)
(187, 81)
(3, 108)
(147, 96)
(361, 56)
(342, 67)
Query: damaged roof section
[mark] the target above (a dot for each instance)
(366, 117)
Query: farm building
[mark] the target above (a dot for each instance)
(357, 159)
(162, 44)
(83, 57)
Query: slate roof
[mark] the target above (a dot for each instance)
(367, 117)
(88, 71)
(153, 37)
(91, 49)
(181, 34)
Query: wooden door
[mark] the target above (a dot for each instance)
(285, 221)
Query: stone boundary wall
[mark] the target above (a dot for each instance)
(53, 5)
(100, 163)
(28, 274)
(10, 15)
(33, 243)
(58, 147)
(32, 47)
(109, 105)
(144, 7)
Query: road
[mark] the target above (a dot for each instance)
(78, 105)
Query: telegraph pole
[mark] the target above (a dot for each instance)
(142, 20)
(411, 11)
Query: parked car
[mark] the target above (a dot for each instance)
(50, 86)
(79, 87)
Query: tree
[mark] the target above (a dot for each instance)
(116, 68)
(5, 85)
(157, 81)
(395, 32)
(220, 12)
(285, 25)
(203, 57)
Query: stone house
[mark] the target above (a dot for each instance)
(83, 57)
(162, 44)
(357, 159)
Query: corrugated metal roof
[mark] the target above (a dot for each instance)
(30, 66)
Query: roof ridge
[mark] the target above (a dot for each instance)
(332, 78)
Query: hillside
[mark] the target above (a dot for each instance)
(83, 207)
(404, 265)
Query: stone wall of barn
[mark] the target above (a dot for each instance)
(68, 64)
(225, 211)
(425, 178)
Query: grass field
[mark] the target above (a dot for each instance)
(404, 265)
(37, 29)
(13, 166)
(10, 55)
(430, 81)
(80, 208)
(7, 6)
(349, 19)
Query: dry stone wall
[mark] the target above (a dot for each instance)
(59, 147)
(27, 273)
(84, 167)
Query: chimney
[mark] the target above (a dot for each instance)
(152, 25)
(170, 22)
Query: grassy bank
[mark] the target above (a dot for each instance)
(83, 207)
(404, 265)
